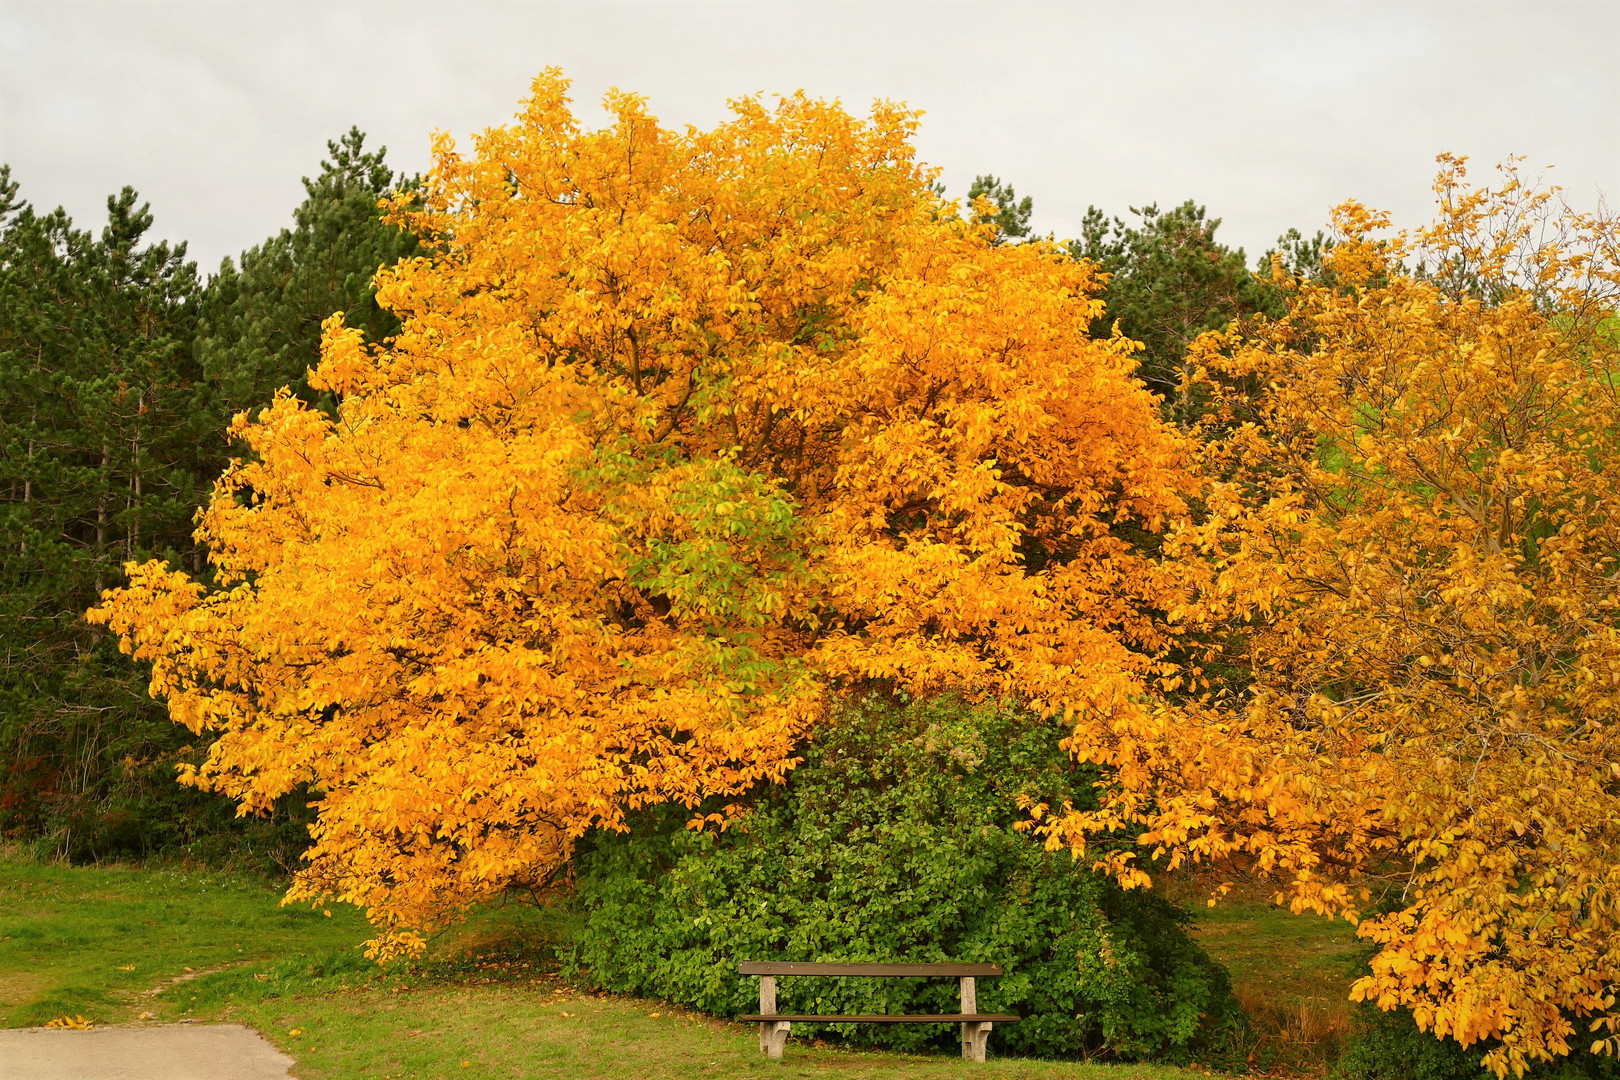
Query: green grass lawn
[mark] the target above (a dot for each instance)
(539, 1030)
(123, 945)
(112, 943)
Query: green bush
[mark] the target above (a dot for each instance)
(895, 841)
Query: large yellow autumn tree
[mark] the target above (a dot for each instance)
(681, 430)
(1415, 509)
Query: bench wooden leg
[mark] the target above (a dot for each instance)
(974, 1039)
(976, 1034)
(772, 1036)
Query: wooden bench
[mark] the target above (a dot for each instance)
(774, 1027)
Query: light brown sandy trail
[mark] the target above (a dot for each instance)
(160, 1052)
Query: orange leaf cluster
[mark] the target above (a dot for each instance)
(681, 430)
(1414, 507)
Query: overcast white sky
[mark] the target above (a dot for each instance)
(1267, 112)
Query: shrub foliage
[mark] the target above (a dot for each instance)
(897, 840)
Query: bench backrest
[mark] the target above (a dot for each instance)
(765, 967)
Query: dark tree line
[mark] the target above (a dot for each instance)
(120, 369)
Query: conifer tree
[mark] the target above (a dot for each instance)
(1010, 213)
(1169, 281)
(261, 323)
(102, 414)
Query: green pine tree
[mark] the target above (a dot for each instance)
(1169, 281)
(103, 420)
(1012, 213)
(119, 373)
(261, 319)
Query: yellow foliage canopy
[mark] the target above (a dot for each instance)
(1415, 501)
(680, 430)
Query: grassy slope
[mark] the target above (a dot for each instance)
(116, 945)
(1291, 973)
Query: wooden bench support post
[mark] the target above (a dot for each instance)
(772, 1035)
(977, 1033)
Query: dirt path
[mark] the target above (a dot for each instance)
(159, 1052)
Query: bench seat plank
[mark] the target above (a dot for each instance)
(944, 1018)
(760, 967)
